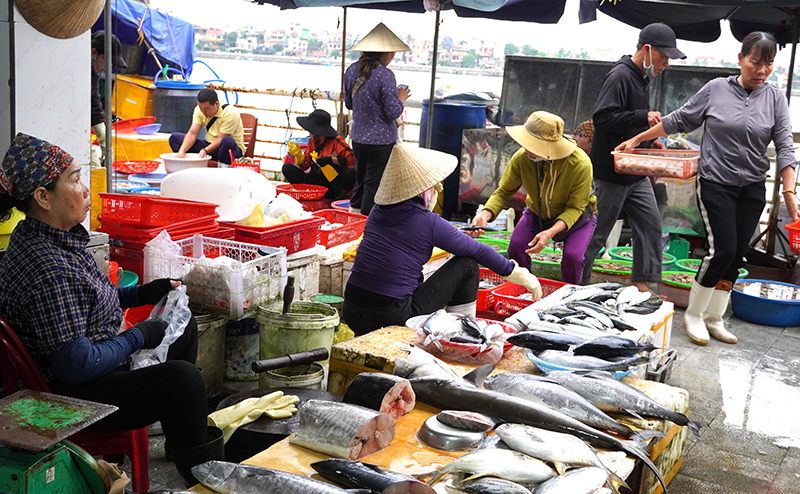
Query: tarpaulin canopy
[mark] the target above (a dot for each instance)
(172, 39)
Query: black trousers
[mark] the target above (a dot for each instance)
(371, 161)
(455, 283)
(339, 188)
(173, 392)
(731, 215)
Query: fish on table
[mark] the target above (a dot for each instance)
(386, 393)
(355, 474)
(569, 360)
(501, 463)
(585, 480)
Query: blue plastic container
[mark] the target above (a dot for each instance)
(769, 312)
(449, 119)
(148, 129)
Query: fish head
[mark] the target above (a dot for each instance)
(214, 473)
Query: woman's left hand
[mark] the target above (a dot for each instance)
(152, 293)
(539, 242)
(792, 206)
(627, 146)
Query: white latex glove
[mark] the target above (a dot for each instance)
(521, 276)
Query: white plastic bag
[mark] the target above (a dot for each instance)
(174, 309)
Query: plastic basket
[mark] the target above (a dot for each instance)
(501, 246)
(486, 297)
(114, 229)
(550, 270)
(294, 236)
(507, 299)
(352, 226)
(794, 236)
(302, 192)
(128, 126)
(148, 211)
(658, 162)
(231, 288)
(135, 166)
(693, 265)
(256, 167)
(626, 254)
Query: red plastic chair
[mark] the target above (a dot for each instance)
(17, 366)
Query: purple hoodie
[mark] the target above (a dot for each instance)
(398, 241)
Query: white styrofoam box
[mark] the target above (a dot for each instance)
(247, 279)
(304, 266)
(330, 276)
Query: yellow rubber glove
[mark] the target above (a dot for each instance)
(294, 150)
(275, 405)
(521, 276)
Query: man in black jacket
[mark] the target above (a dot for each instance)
(622, 112)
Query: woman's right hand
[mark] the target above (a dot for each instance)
(403, 93)
(480, 219)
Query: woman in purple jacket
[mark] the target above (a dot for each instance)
(371, 92)
(742, 115)
(386, 285)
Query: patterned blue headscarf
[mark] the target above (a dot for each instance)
(30, 163)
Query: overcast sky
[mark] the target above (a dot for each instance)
(605, 33)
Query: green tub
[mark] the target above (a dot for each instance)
(626, 254)
(602, 271)
(692, 265)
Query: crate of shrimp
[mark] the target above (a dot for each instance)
(223, 275)
(672, 163)
(511, 298)
(489, 280)
(339, 227)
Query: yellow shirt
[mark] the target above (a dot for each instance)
(228, 122)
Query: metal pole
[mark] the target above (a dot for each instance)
(429, 133)
(340, 121)
(795, 21)
(108, 88)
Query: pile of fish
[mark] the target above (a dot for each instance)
(479, 341)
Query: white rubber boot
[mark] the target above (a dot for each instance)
(716, 308)
(467, 309)
(699, 298)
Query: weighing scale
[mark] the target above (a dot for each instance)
(34, 455)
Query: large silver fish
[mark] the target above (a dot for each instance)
(232, 478)
(420, 363)
(550, 393)
(542, 340)
(612, 395)
(611, 346)
(572, 361)
(505, 464)
(489, 485)
(354, 474)
(580, 481)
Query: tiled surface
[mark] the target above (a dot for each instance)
(748, 393)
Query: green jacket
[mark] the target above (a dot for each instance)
(562, 191)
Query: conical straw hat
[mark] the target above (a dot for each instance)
(411, 171)
(381, 40)
(61, 19)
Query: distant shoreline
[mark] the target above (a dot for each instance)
(338, 61)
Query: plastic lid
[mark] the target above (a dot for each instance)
(327, 298)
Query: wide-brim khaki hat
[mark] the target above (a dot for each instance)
(412, 170)
(381, 40)
(543, 135)
(61, 19)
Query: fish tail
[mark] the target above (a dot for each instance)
(636, 449)
(614, 480)
(644, 435)
(695, 426)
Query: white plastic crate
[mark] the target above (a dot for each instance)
(243, 283)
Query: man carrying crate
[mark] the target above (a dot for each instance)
(622, 111)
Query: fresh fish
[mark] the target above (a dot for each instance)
(648, 306)
(580, 481)
(620, 324)
(505, 464)
(543, 340)
(612, 395)
(563, 450)
(455, 394)
(551, 394)
(470, 326)
(584, 362)
(343, 430)
(581, 293)
(232, 478)
(354, 474)
(488, 485)
(577, 321)
(602, 297)
(459, 338)
(383, 392)
(593, 306)
(492, 442)
(468, 421)
(420, 363)
(436, 327)
(630, 295)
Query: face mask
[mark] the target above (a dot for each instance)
(651, 70)
(538, 159)
(429, 197)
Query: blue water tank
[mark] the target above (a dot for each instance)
(449, 119)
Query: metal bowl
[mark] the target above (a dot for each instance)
(440, 436)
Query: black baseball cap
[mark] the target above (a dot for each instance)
(99, 44)
(660, 36)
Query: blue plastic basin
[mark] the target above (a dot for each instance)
(148, 129)
(769, 312)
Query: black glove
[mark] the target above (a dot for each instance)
(151, 293)
(325, 160)
(152, 331)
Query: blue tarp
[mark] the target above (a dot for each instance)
(481, 5)
(171, 38)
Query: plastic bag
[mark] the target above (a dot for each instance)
(283, 205)
(174, 309)
(463, 352)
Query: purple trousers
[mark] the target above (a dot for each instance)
(574, 245)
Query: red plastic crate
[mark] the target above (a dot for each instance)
(185, 228)
(135, 166)
(302, 192)
(295, 235)
(352, 226)
(506, 296)
(150, 211)
(794, 236)
(486, 297)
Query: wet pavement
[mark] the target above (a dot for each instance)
(748, 393)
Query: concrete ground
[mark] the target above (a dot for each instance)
(748, 393)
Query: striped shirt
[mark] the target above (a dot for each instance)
(52, 292)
